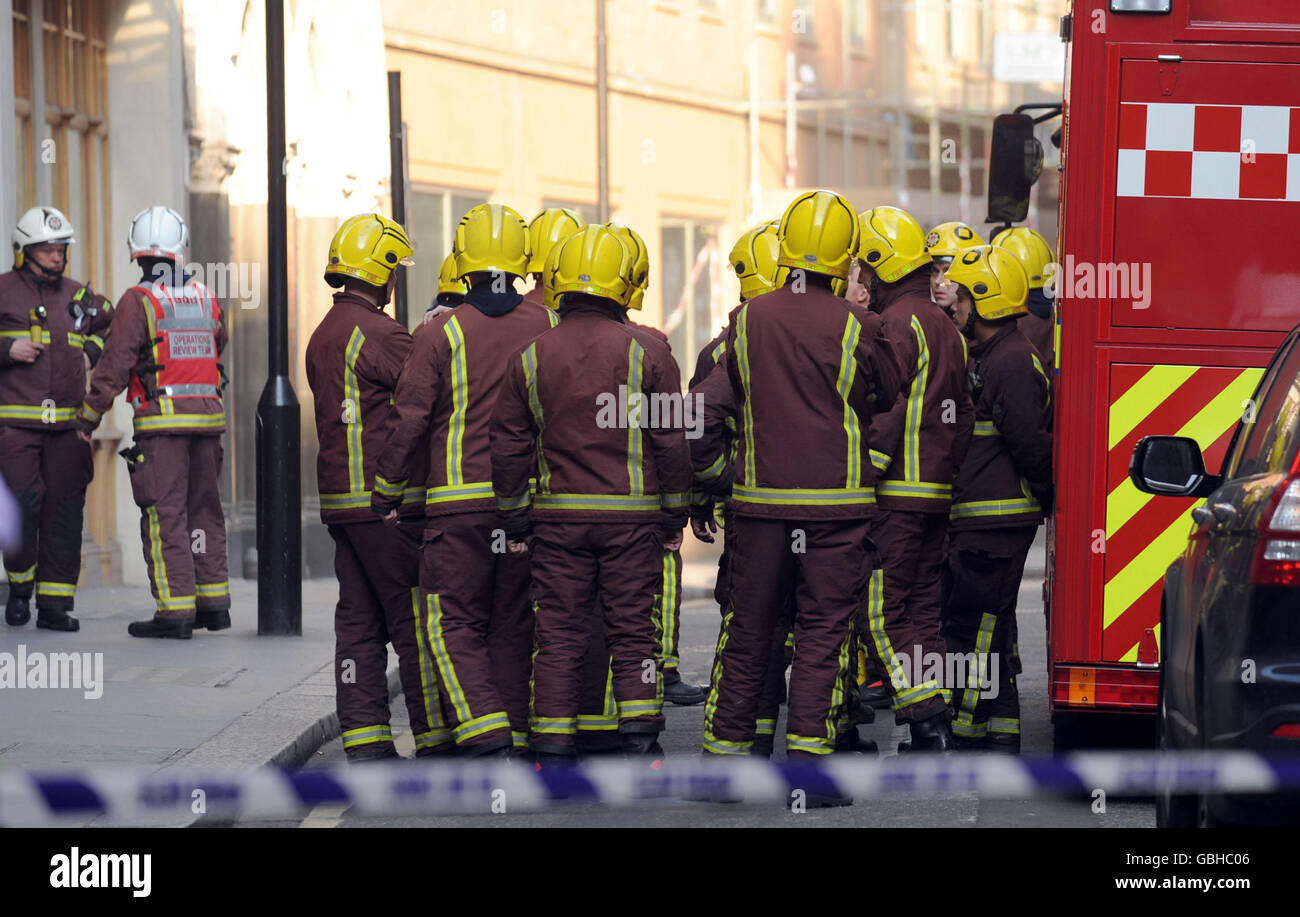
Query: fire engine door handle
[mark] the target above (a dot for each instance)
(1224, 512)
(1201, 515)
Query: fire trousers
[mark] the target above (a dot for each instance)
(908, 625)
(984, 569)
(182, 528)
(828, 566)
(379, 603)
(574, 567)
(480, 628)
(48, 474)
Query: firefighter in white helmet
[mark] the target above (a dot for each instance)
(167, 335)
(51, 330)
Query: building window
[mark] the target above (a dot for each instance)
(857, 23)
(766, 10)
(432, 225)
(73, 84)
(690, 287)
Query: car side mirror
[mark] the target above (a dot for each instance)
(1015, 162)
(1170, 466)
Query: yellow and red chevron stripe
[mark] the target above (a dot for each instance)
(1145, 534)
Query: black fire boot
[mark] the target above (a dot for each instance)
(850, 740)
(1006, 742)
(763, 746)
(930, 735)
(874, 696)
(170, 628)
(18, 610)
(642, 745)
(212, 619)
(56, 620)
(380, 751)
(815, 797)
(680, 693)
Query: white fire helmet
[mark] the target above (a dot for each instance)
(158, 232)
(40, 224)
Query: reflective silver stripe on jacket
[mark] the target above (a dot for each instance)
(191, 389)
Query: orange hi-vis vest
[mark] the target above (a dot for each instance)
(183, 326)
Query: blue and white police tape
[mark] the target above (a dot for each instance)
(468, 787)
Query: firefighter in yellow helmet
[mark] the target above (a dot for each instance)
(613, 486)
(473, 594)
(917, 446)
(1035, 254)
(354, 358)
(807, 371)
(998, 499)
(545, 233)
(451, 290)
(942, 243)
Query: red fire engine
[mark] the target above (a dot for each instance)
(1180, 195)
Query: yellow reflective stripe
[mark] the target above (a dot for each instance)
(177, 603)
(355, 425)
(879, 460)
(356, 500)
(450, 494)
(35, 412)
(161, 588)
(829, 496)
(915, 406)
(76, 340)
(554, 725)
(1047, 383)
(964, 727)
(1144, 570)
(459, 401)
(212, 590)
(433, 738)
(811, 744)
(668, 606)
(1219, 415)
(722, 747)
(181, 421)
(27, 335)
(507, 504)
(837, 690)
(970, 697)
(23, 576)
(91, 413)
(367, 735)
(529, 357)
(412, 495)
(924, 489)
(1004, 724)
(385, 488)
(56, 588)
(876, 628)
(986, 428)
(765, 726)
(595, 723)
(521, 738)
(749, 474)
(719, 351)
(446, 668)
(711, 703)
(597, 502)
(635, 459)
(674, 500)
(1129, 409)
(96, 340)
(978, 508)
(481, 725)
(844, 385)
(632, 708)
(715, 469)
(428, 679)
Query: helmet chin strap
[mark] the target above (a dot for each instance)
(42, 273)
(969, 328)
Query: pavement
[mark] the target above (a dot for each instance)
(232, 699)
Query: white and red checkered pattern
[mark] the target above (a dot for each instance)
(1225, 152)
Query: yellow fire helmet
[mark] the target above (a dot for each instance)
(753, 258)
(640, 273)
(947, 239)
(368, 246)
(549, 297)
(595, 261)
(549, 228)
(492, 237)
(995, 279)
(893, 243)
(1032, 249)
(448, 280)
(819, 233)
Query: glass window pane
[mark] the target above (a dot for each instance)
(428, 237)
(1268, 444)
(672, 280)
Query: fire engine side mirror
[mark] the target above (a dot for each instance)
(1170, 466)
(1015, 162)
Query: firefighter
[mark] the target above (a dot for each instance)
(451, 290)
(613, 485)
(545, 232)
(353, 361)
(167, 335)
(807, 371)
(1001, 488)
(1036, 257)
(474, 592)
(51, 330)
(942, 243)
(917, 446)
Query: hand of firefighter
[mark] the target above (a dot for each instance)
(516, 547)
(673, 540)
(390, 517)
(25, 351)
(704, 529)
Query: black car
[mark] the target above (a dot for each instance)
(1230, 610)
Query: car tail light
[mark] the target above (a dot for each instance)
(1277, 557)
(1081, 687)
(1287, 731)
